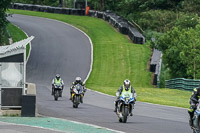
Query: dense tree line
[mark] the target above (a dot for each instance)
(4, 4)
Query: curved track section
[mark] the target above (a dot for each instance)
(60, 48)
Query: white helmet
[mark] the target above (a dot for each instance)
(78, 79)
(127, 84)
(57, 76)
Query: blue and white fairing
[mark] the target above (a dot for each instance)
(127, 97)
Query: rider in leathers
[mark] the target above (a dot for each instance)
(193, 101)
(77, 81)
(55, 80)
(126, 87)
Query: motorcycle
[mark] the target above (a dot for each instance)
(196, 119)
(57, 91)
(125, 106)
(77, 95)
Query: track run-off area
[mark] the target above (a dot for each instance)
(61, 48)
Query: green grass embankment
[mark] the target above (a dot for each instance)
(17, 35)
(115, 59)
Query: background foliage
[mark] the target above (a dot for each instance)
(4, 4)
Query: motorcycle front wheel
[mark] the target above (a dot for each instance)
(56, 95)
(76, 101)
(125, 115)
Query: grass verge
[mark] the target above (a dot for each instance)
(115, 59)
(17, 35)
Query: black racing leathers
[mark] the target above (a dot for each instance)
(74, 84)
(193, 101)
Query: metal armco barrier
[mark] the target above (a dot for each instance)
(122, 25)
(155, 66)
(48, 9)
(181, 83)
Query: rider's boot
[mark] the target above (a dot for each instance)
(131, 109)
(70, 96)
(81, 100)
(131, 114)
(191, 117)
(60, 94)
(52, 92)
(115, 110)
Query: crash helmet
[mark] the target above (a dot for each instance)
(78, 79)
(57, 76)
(127, 84)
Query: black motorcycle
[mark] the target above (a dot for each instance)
(125, 106)
(196, 119)
(77, 95)
(57, 91)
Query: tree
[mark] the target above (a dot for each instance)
(61, 3)
(191, 6)
(4, 4)
(181, 51)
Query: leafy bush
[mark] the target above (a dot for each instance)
(186, 21)
(191, 6)
(157, 20)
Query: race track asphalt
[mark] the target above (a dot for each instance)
(60, 48)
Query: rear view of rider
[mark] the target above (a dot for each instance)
(125, 87)
(57, 80)
(77, 81)
(193, 102)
